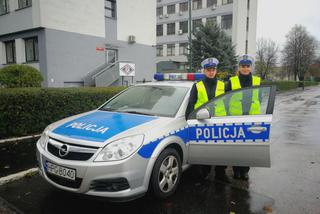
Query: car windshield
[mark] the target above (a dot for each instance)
(149, 100)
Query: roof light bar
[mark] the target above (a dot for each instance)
(178, 76)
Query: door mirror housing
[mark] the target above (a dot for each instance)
(203, 114)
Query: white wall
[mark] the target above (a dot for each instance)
(78, 16)
(252, 36)
(239, 25)
(137, 18)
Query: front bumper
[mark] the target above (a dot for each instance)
(129, 174)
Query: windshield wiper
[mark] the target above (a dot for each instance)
(107, 109)
(137, 112)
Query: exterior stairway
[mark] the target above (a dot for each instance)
(104, 75)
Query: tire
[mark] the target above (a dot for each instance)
(166, 174)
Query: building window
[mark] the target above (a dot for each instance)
(227, 2)
(211, 20)
(226, 22)
(196, 4)
(183, 6)
(170, 49)
(10, 52)
(159, 50)
(110, 8)
(184, 26)
(196, 24)
(24, 3)
(171, 28)
(183, 66)
(4, 7)
(159, 30)
(247, 24)
(183, 48)
(32, 54)
(159, 11)
(171, 9)
(211, 3)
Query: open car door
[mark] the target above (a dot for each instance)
(240, 139)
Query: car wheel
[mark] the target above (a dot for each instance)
(166, 173)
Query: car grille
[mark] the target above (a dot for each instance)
(76, 152)
(65, 182)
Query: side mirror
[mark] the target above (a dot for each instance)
(203, 114)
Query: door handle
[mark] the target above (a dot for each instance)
(257, 129)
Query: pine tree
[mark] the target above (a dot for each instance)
(211, 41)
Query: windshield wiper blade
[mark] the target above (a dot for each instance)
(137, 112)
(107, 109)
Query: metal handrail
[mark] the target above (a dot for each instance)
(96, 68)
(104, 69)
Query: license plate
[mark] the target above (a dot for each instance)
(61, 171)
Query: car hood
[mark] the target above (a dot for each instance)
(99, 126)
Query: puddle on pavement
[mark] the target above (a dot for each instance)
(310, 103)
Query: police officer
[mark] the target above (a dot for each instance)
(239, 105)
(202, 92)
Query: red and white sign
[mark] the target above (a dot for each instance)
(127, 69)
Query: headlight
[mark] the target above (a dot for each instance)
(120, 149)
(44, 137)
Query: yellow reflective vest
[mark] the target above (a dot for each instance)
(202, 95)
(235, 103)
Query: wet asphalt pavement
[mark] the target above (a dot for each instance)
(24, 150)
(291, 185)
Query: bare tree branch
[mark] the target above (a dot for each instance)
(267, 54)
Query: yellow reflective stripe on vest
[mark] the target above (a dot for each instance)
(219, 88)
(203, 98)
(256, 81)
(235, 104)
(255, 106)
(202, 95)
(219, 108)
(235, 83)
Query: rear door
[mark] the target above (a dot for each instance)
(242, 140)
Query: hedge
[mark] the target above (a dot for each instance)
(17, 76)
(25, 111)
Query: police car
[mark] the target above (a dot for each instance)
(140, 140)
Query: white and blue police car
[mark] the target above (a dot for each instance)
(140, 140)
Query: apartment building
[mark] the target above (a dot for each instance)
(238, 18)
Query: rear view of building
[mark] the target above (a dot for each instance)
(79, 43)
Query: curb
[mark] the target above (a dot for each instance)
(18, 139)
(17, 176)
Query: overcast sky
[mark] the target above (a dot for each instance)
(277, 17)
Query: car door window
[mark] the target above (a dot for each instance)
(246, 101)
